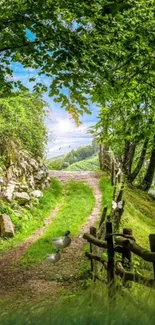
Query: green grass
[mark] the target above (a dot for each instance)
(139, 214)
(76, 207)
(107, 193)
(91, 308)
(27, 221)
(91, 164)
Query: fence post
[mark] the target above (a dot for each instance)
(152, 247)
(110, 269)
(93, 263)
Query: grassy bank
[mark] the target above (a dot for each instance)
(76, 207)
(139, 214)
(27, 221)
(90, 164)
(107, 192)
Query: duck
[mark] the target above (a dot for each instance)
(53, 258)
(62, 242)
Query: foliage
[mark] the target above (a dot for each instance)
(26, 221)
(73, 156)
(69, 217)
(55, 164)
(127, 127)
(100, 51)
(90, 48)
(90, 164)
(22, 121)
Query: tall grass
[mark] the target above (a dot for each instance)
(90, 309)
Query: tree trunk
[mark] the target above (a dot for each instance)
(100, 157)
(140, 162)
(128, 157)
(148, 178)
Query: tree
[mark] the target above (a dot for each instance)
(87, 47)
(98, 50)
(22, 121)
(141, 161)
(126, 125)
(148, 178)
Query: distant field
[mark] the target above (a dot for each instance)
(91, 164)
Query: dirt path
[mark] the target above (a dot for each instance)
(8, 259)
(50, 278)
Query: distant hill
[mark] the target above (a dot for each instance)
(81, 154)
(90, 164)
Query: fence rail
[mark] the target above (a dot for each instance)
(124, 244)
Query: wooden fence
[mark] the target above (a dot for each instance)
(108, 239)
(110, 165)
(122, 243)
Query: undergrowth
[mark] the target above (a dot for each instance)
(27, 221)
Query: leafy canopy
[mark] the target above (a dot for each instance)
(22, 121)
(92, 49)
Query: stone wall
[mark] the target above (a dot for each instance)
(22, 178)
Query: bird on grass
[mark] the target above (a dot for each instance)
(53, 258)
(62, 242)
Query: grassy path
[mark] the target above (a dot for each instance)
(8, 259)
(52, 279)
(78, 202)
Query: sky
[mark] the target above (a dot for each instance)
(63, 135)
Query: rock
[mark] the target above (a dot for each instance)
(10, 173)
(8, 192)
(2, 181)
(37, 193)
(21, 197)
(34, 164)
(6, 226)
(40, 175)
(23, 166)
(31, 181)
(23, 188)
(43, 186)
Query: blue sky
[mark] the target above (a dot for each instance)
(63, 135)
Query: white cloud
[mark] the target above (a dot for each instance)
(64, 135)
